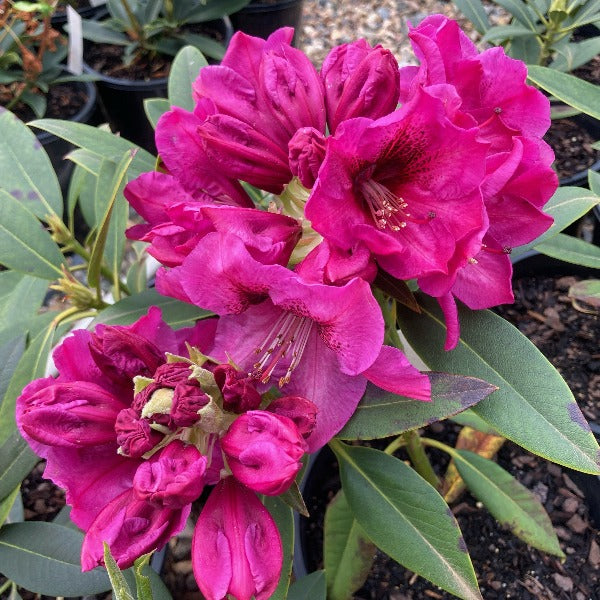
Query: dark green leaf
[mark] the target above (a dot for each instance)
(293, 498)
(572, 250)
(533, 406)
(575, 55)
(566, 206)
(185, 69)
(10, 355)
(594, 182)
(99, 34)
(21, 296)
(35, 101)
(16, 461)
(24, 244)
(44, 558)
(570, 89)
(7, 503)
(511, 503)
(469, 419)
(348, 554)
(212, 9)
(310, 587)
(283, 517)
(520, 11)
(500, 33)
(381, 414)
(528, 49)
(177, 314)
(205, 44)
(89, 161)
(27, 172)
(406, 518)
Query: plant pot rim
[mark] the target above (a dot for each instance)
(81, 116)
(124, 83)
(268, 6)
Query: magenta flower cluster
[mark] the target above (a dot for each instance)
(429, 173)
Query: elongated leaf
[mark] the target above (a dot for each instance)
(500, 33)
(283, 516)
(575, 55)
(97, 255)
(7, 504)
(406, 518)
(381, 414)
(185, 69)
(213, 9)
(103, 143)
(348, 554)
(31, 366)
(570, 89)
(309, 587)
(511, 503)
(155, 108)
(89, 161)
(118, 583)
(469, 419)
(24, 245)
(572, 250)
(520, 11)
(533, 406)
(566, 206)
(23, 296)
(10, 355)
(44, 558)
(474, 11)
(159, 589)
(177, 314)
(27, 172)
(205, 44)
(30, 326)
(98, 33)
(16, 460)
(527, 48)
(594, 182)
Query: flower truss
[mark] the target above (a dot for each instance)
(429, 173)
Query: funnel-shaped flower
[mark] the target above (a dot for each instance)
(359, 81)
(236, 548)
(399, 185)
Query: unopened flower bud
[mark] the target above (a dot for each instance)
(301, 411)
(306, 153)
(263, 451)
(59, 232)
(134, 435)
(238, 390)
(172, 477)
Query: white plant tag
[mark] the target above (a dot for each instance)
(75, 59)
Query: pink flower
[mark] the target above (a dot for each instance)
(250, 106)
(399, 185)
(317, 341)
(306, 153)
(236, 548)
(263, 451)
(238, 390)
(359, 81)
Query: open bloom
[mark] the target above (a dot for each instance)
(318, 341)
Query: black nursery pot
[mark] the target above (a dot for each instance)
(59, 20)
(261, 19)
(592, 126)
(56, 147)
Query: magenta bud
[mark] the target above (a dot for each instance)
(306, 153)
(360, 81)
(301, 411)
(236, 548)
(131, 528)
(171, 374)
(239, 391)
(172, 477)
(69, 414)
(263, 451)
(187, 401)
(134, 435)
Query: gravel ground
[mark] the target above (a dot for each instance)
(327, 23)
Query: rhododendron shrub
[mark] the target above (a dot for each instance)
(323, 226)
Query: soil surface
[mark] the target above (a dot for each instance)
(63, 101)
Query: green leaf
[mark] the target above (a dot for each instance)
(406, 518)
(118, 583)
(594, 182)
(21, 296)
(527, 48)
(205, 44)
(81, 191)
(284, 518)
(31, 366)
(381, 414)
(100, 142)
(575, 55)
(348, 553)
(10, 355)
(27, 173)
(570, 89)
(293, 498)
(44, 558)
(212, 9)
(86, 159)
(185, 69)
(520, 11)
(469, 419)
(35, 101)
(309, 587)
(155, 108)
(143, 584)
(501, 33)
(177, 314)
(94, 31)
(572, 250)
(159, 589)
(136, 277)
(533, 406)
(474, 11)
(7, 504)
(30, 326)
(97, 254)
(511, 503)
(17, 459)
(25, 245)
(566, 206)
